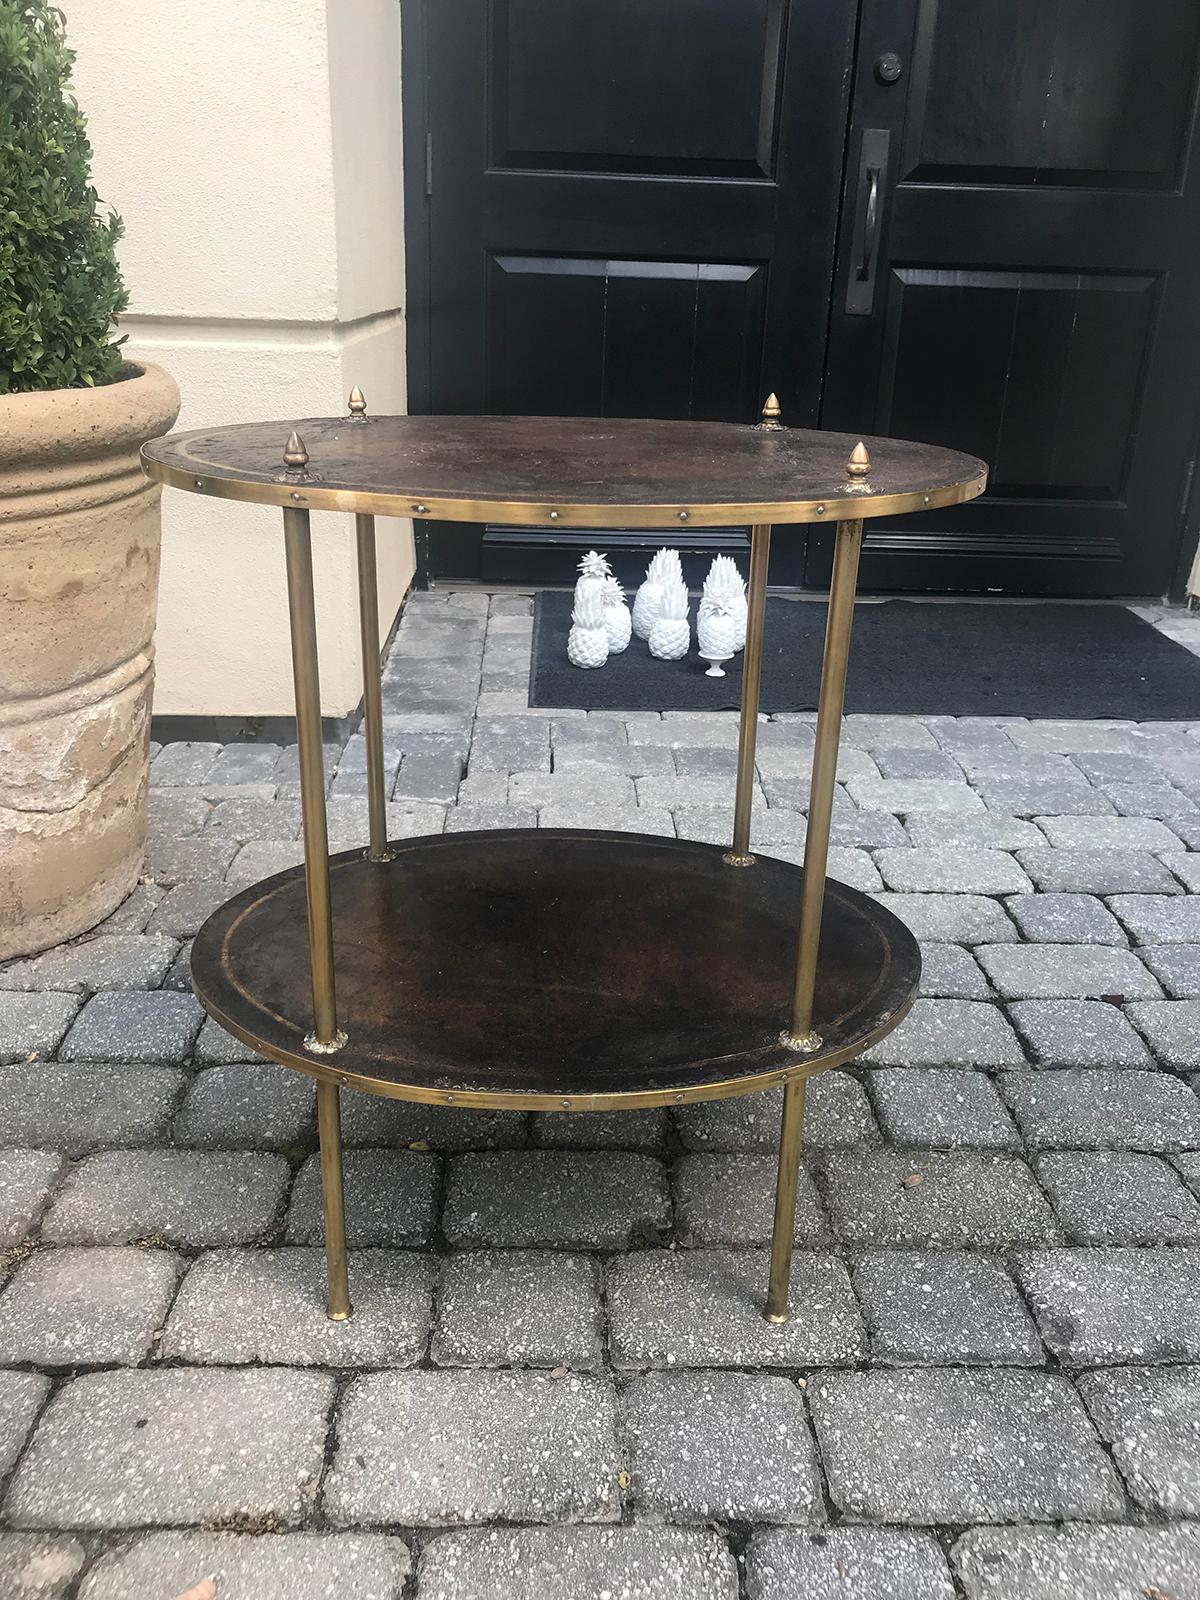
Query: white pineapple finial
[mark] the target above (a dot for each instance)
(594, 565)
(664, 565)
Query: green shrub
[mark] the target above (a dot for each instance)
(60, 286)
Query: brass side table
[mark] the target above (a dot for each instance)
(552, 969)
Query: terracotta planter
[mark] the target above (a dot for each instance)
(79, 550)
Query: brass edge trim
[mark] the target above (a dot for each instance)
(536, 514)
(483, 1100)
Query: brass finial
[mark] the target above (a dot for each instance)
(295, 456)
(859, 463)
(772, 415)
(358, 405)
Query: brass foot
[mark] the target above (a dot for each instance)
(782, 1316)
(731, 859)
(804, 1043)
(325, 1047)
(340, 1316)
(381, 857)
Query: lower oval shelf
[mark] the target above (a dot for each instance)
(552, 969)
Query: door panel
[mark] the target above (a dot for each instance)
(631, 211)
(1035, 295)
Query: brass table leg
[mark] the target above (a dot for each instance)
(791, 1138)
(329, 1125)
(368, 612)
(324, 1038)
(801, 1036)
(756, 606)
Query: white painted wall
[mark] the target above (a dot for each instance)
(254, 152)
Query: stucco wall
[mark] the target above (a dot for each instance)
(254, 152)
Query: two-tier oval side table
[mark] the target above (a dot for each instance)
(557, 969)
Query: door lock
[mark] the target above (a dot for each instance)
(889, 67)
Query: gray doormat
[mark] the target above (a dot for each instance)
(955, 659)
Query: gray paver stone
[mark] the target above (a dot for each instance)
(158, 1026)
(923, 1106)
(929, 1447)
(1097, 871)
(431, 1448)
(1177, 968)
(1104, 1110)
(36, 1566)
(1171, 1028)
(184, 910)
(935, 1307)
(131, 1448)
(1065, 972)
(974, 831)
(1159, 919)
(567, 1563)
(81, 1307)
(33, 1024)
(521, 1308)
(950, 1033)
(108, 961)
(898, 762)
(241, 1306)
(215, 1047)
(21, 1396)
(186, 1197)
(846, 1564)
(1020, 795)
(390, 1197)
(1065, 919)
(26, 1177)
(601, 1130)
(84, 1106)
(1114, 1197)
(730, 1199)
(1083, 1563)
(203, 859)
(935, 1197)
(721, 1447)
(1150, 1417)
(948, 973)
(569, 1198)
(187, 761)
(246, 1105)
(1107, 833)
(1095, 1307)
(1078, 1033)
(951, 869)
(951, 918)
(902, 795)
(837, 1115)
(368, 1119)
(290, 1566)
(726, 1292)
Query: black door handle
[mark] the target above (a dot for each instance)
(870, 226)
(868, 220)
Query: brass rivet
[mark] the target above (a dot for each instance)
(420, 510)
(820, 511)
(683, 516)
(679, 1097)
(198, 482)
(567, 1104)
(554, 516)
(449, 1099)
(296, 496)
(344, 1080)
(927, 498)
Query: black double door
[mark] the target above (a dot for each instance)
(976, 225)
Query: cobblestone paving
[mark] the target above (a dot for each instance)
(558, 1384)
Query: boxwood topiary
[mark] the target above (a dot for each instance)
(60, 286)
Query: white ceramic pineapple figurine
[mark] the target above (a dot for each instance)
(716, 631)
(587, 642)
(672, 633)
(664, 564)
(618, 624)
(726, 581)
